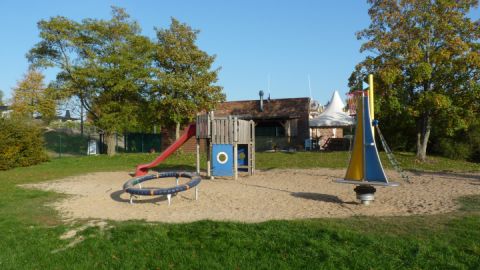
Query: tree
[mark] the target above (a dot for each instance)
(185, 84)
(1, 98)
(105, 63)
(31, 98)
(426, 57)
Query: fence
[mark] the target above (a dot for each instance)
(61, 142)
(70, 142)
(264, 143)
(142, 143)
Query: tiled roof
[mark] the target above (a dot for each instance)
(274, 108)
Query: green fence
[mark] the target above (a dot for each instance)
(70, 142)
(64, 142)
(142, 143)
(264, 143)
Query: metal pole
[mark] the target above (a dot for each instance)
(235, 161)
(209, 157)
(60, 147)
(198, 156)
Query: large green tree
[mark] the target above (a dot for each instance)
(105, 63)
(186, 80)
(425, 54)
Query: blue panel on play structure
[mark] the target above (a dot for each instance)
(373, 166)
(222, 160)
(242, 155)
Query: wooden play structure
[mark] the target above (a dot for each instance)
(230, 144)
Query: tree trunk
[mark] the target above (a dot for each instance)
(423, 135)
(110, 141)
(177, 131)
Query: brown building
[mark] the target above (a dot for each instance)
(280, 123)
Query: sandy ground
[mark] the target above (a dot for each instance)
(274, 194)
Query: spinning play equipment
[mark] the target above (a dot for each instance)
(130, 185)
(365, 169)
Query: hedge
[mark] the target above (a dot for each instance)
(21, 143)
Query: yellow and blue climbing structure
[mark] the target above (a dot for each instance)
(365, 164)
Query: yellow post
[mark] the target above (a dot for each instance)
(370, 101)
(370, 96)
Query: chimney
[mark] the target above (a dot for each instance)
(261, 100)
(67, 115)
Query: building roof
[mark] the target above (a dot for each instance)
(333, 115)
(284, 108)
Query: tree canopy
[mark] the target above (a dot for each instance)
(31, 98)
(123, 79)
(425, 54)
(186, 81)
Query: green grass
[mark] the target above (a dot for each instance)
(30, 230)
(339, 160)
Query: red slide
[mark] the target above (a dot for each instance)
(187, 134)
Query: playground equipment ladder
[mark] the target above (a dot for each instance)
(391, 157)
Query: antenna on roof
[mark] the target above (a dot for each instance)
(310, 87)
(268, 86)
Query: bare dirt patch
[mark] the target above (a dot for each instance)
(274, 194)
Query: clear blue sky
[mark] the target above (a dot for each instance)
(287, 39)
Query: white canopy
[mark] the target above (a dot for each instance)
(333, 116)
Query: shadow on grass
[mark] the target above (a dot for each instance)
(174, 168)
(470, 203)
(268, 169)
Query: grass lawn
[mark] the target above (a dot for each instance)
(30, 231)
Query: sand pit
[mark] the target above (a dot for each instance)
(274, 194)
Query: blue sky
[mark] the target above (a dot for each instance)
(253, 40)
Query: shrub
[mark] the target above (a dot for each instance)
(464, 145)
(454, 149)
(473, 138)
(21, 143)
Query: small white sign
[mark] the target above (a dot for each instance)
(92, 147)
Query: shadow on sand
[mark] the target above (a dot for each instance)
(320, 197)
(450, 175)
(116, 196)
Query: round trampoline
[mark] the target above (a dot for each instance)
(130, 185)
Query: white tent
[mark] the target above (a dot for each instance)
(333, 116)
